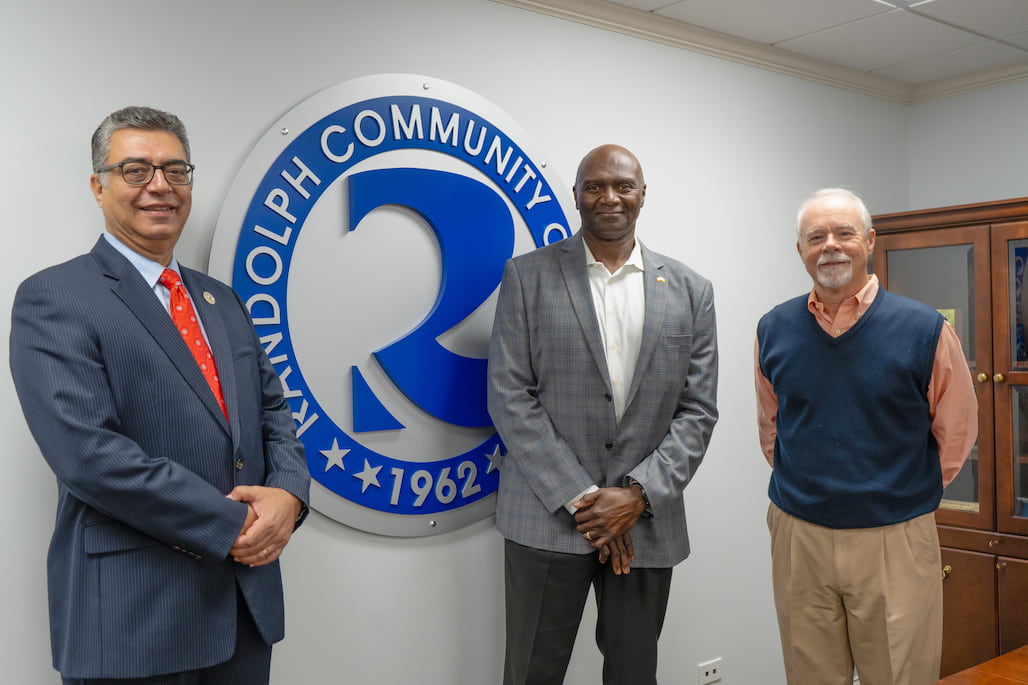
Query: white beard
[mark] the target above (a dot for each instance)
(836, 277)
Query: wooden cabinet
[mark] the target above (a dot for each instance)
(985, 595)
(969, 615)
(969, 263)
(1013, 603)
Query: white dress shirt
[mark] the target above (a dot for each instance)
(620, 304)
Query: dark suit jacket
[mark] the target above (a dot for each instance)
(550, 398)
(140, 581)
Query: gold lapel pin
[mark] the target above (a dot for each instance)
(660, 279)
(207, 296)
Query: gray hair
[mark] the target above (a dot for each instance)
(144, 118)
(865, 215)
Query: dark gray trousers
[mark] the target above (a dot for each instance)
(545, 595)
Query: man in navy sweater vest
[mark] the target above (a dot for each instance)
(866, 411)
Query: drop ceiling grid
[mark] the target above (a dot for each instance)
(932, 40)
(935, 49)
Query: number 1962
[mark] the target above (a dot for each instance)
(423, 484)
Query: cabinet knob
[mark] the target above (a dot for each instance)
(993, 544)
(946, 570)
(999, 378)
(1001, 565)
(982, 377)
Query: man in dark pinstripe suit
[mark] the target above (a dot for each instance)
(603, 385)
(172, 512)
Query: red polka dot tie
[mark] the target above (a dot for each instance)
(184, 316)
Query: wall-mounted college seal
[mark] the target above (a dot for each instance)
(367, 233)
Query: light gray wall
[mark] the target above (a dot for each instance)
(969, 148)
(729, 151)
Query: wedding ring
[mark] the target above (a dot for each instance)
(588, 535)
(264, 552)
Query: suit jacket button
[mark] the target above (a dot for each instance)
(607, 395)
(240, 463)
(609, 446)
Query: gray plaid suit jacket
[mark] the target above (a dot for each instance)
(140, 580)
(549, 397)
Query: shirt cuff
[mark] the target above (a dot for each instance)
(570, 506)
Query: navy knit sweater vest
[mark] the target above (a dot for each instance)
(854, 446)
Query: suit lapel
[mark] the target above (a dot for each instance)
(221, 348)
(576, 279)
(132, 290)
(655, 289)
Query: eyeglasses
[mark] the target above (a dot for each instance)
(141, 173)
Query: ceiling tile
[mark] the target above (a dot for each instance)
(789, 19)
(993, 18)
(881, 41)
(1020, 40)
(979, 56)
(648, 5)
(900, 42)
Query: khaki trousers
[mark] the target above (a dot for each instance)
(864, 597)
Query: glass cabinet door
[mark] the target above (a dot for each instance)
(1010, 304)
(949, 271)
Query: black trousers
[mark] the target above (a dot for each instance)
(545, 596)
(250, 664)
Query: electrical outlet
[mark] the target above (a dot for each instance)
(710, 671)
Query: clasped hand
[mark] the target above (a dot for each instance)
(270, 519)
(605, 518)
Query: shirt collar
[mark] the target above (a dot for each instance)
(634, 261)
(862, 300)
(147, 268)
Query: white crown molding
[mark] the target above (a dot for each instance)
(653, 27)
(967, 83)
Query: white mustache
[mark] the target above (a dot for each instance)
(837, 259)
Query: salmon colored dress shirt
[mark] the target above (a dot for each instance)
(951, 395)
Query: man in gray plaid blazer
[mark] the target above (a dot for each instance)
(602, 385)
